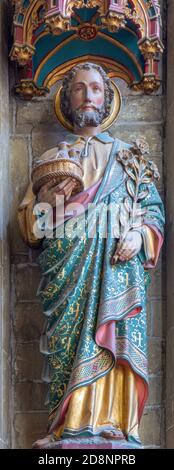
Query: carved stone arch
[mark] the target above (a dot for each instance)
(137, 15)
(31, 19)
(143, 14)
(125, 31)
(26, 19)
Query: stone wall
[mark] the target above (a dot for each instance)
(34, 129)
(4, 238)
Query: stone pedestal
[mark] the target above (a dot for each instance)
(92, 443)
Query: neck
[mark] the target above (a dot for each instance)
(87, 131)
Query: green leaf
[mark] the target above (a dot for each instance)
(128, 205)
(143, 194)
(124, 216)
(130, 173)
(146, 180)
(130, 187)
(137, 222)
(137, 164)
(140, 212)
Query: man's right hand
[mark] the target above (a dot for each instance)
(49, 193)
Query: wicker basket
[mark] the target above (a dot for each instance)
(57, 171)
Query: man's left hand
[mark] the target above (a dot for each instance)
(130, 247)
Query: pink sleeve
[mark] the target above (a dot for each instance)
(158, 241)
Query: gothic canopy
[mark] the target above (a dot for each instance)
(50, 36)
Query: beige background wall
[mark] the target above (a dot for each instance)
(34, 129)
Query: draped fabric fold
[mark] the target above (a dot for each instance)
(96, 312)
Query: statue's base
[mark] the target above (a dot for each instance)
(92, 443)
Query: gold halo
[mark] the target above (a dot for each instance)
(116, 106)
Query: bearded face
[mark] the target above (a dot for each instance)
(91, 118)
(87, 99)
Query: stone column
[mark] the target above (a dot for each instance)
(4, 220)
(170, 231)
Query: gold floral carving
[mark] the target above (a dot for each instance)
(56, 24)
(113, 21)
(22, 53)
(150, 47)
(148, 85)
(28, 89)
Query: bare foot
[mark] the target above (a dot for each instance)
(114, 434)
(44, 443)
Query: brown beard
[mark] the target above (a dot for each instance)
(88, 118)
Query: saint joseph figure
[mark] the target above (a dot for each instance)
(95, 340)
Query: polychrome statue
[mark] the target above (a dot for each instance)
(95, 275)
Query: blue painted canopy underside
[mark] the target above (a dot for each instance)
(100, 46)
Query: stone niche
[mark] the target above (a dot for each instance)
(34, 129)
